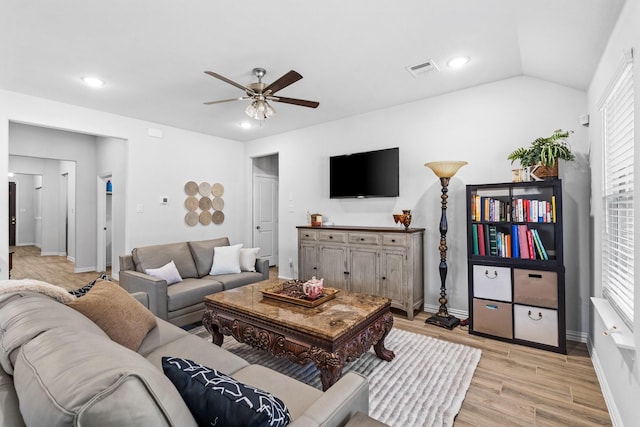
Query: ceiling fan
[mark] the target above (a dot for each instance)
(259, 93)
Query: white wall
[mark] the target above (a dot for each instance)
(154, 167)
(618, 369)
(481, 125)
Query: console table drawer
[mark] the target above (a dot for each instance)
(394, 240)
(493, 318)
(364, 238)
(308, 235)
(329, 236)
(535, 287)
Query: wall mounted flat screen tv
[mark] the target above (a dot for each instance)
(366, 174)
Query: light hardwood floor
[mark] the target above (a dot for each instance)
(513, 385)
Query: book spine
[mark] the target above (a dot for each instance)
(493, 241)
(536, 244)
(553, 209)
(522, 241)
(545, 256)
(474, 237)
(515, 252)
(481, 244)
(532, 254)
(478, 209)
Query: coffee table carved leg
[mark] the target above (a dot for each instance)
(214, 329)
(329, 364)
(381, 351)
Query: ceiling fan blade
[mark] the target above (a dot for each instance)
(294, 101)
(284, 81)
(231, 82)
(242, 98)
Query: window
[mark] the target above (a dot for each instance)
(618, 187)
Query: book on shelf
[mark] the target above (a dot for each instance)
(515, 249)
(553, 209)
(481, 243)
(540, 246)
(532, 253)
(474, 238)
(522, 241)
(493, 241)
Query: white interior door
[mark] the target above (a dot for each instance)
(265, 218)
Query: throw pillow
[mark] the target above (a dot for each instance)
(167, 272)
(226, 259)
(248, 258)
(83, 290)
(118, 314)
(217, 399)
(30, 285)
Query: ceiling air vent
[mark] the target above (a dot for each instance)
(424, 68)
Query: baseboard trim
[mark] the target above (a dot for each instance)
(84, 269)
(616, 420)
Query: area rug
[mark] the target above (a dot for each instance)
(424, 385)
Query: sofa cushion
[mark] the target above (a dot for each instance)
(190, 346)
(226, 259)
(9, 411)
(231, 281)
(248, 259)
(168, 272)
(26, 315)
(120, 315)
(217, 399)
(66, 378)
(202, 252)
(191, 291)
(159, 255)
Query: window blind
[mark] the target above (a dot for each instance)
(618, 231)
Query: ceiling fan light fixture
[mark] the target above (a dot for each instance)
(260, 110)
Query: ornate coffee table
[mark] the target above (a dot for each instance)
(329, 335)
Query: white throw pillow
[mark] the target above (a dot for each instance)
(168, 272)
(248, 259)
(226, 259)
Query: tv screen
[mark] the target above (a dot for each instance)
(366, 174)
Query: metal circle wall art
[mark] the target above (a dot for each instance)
(204, 203)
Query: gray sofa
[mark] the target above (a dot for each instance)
(58, 368)
(182, 303)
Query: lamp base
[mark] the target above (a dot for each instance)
(448, 322)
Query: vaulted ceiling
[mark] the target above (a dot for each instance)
(353, 55)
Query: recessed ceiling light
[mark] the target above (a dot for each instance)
(10, 174)
(458, 62)
(93, 81)
(245, 125)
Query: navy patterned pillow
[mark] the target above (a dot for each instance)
(83, 290)
(217, 399)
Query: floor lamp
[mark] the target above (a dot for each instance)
(444, 170)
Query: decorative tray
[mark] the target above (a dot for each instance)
(291, 291)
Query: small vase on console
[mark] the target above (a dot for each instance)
(404, 218)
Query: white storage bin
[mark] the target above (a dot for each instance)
(492, 282)
(535, 324)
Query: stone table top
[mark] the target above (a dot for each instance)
(328, 320)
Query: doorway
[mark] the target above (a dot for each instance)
(265, 207)
(12, 213)
(104, 247)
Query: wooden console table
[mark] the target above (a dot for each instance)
(327, 335)
(381, 261)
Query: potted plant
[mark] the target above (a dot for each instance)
(541, 156)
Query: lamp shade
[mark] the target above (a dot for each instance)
(446, 168)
